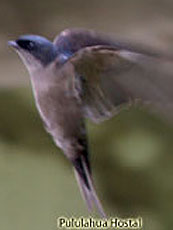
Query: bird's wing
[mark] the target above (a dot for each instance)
(107, 79)
(71, 41)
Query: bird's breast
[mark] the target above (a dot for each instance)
(60, 111)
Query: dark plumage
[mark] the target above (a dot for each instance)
(85, 74)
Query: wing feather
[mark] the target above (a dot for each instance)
(114, 78)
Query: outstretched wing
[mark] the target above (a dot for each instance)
(107, 79)
(69, 41)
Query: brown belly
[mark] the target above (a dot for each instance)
(62, 116)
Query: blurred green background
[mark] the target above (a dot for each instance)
(131, 154)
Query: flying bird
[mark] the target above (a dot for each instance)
(84, 74)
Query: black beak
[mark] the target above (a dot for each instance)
(13, 44)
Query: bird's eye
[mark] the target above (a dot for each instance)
(25, 44)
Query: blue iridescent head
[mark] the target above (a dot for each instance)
(35, 47)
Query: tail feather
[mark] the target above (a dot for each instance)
(86, 186)
(84, 191)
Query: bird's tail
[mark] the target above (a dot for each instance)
(84, 179)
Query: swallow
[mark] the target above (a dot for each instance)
(84, 74)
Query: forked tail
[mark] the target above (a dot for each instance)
(86, 186)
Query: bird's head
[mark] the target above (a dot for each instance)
(35, 51)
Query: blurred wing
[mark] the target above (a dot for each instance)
(69, 41)
(107, 79)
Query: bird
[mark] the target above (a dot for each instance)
(86, 74)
